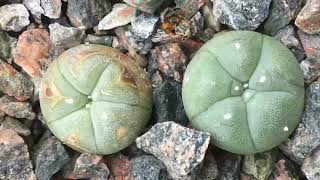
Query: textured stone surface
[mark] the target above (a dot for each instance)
(147, 167)
(189, 7)
(209, 168)
(308, 19)
(65, 37)
(311, 45)
(211, 17)
(86, 166)
(35, 9)
(179, 148)
(49, 156)
(13, 83)
(13, 17)
(144, 25)
(242, 14)
(310, 71)
(119, 166)
(305, 138)
(7, 44)
(14, 108)
(311, 165)
(14, 157)
(149, 6)
(51, 8)
(16, 125)
(284, 169)
(103, 40)
(282, 12)
(229, 165)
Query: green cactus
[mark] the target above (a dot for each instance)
(245, 89)
(95, 99)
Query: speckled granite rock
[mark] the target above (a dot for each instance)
(284, 169)
(16, 125)
(179, 148)
(13, 17)
(311, 165)
(7, 44)
(17, 109)
(309, 17)
(229, 165)
(310, 71)
(35, 9)
(144, 25)
(311, 45)
(65, 37)
(52, 8)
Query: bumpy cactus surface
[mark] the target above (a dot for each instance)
(95, 99)
(246, 90)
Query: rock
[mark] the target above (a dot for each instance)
(13, 83)
(305, 138)
(120, 15)
(289, 38)
(13, 17)
(197, 25)
(50, 156)
(311, 45)
(209, 168)
(144, 25)
(14, 157)
(168, 105)
(86, 166)
(14, 124)
(34, 63)
(284, 169)
(35, 9)
(282, 13)
(7, 44)
(189, 7)
(119, 166)
(311, 165)
(103, 40)
(147, 167)
(309, 70)
(211, 19)
(242, 14)
(229, 165)
(65, 37)
(149, 6)
(179, 148)
(171, 60)
(309, 17)
(16, 109)
(85, 14)
(52, 8)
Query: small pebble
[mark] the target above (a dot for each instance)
(311, 45)
(103, 40)
(119, 166)
(16, 125)
(11, 107)
(311, 165)
(144, 25)
(35, 9)
(65, 37)
(13, 17)
(309, 17)
(7, 45)
(309, 70)
(52, 8)
(189, 7)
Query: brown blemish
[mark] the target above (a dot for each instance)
(72, 140)
(121, 132)
(127, 77)
(49, 92)
(73, 143)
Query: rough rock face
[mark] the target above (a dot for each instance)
(311, 45)
(242, 14)
(308, 19)
(311, 165)
(17, 109)
(35, 9)
(7, 44)
(13, 17)
(52, 8)
(16, 125)
(14, 157)
(65, 37)
(179, 148)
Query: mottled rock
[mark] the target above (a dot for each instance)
(229, 165)
(171, 60)
(7, 44)
(13, 17)
(13, 83)
(14, 157)
(120, 15)
(242, 14)
(147, 167)
(52, 8)
(140, 45)
(197, 25)
(310, 71)
(282, 12)
(209, 169)
(179, 148)
(289, 38)
(49, 156)
(35, 9)
(16, 125)
(308, 19)
(306, 136)
(310, 44)
(103, 40)
(119, 166)
(311, 165)
(144, 25)
(65, 37)
(211, 17)
(86, 166)
(284, 169)
(33, 52)
(14, 108)
(189, 7)
(85, 14)
(149, 6)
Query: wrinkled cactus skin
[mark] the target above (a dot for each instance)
(246, 90)
(95, 99)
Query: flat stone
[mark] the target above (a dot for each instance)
(310, 71)
(16, 125)
(35, 9)
(308, 19)
(14, 157)
(65, 37)
(86, 165)
(179, 148)
(50, 156)
(311, 45)
(13, 17)
(14, 83)
(7, 44)
(52, 8)
(103, 40)
(189, 7)
(119, 166)
(144, 25)
(311, 165)
(282, 13)
(242, 14)
(149, 6)
(11, 107)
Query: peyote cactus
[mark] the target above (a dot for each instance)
(95, 99)
(245, 89)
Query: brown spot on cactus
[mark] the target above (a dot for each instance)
(128, 78)
(48, 92)
(121, 132)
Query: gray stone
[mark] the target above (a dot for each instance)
(65, 37)
(14, 108)
(13, 17)
(49, 156)
(289, 38)
(149, 6)
(242, 14)
(140, 45)
(35, 9)
(209, 169)
(311, 165)
(311, 45)
(179, 148)
(147, 167)
(282, 13)
(14, 157)
(229, 165)
(310, 71)
(16, 125)
(144, 25)
(309, 17)
(211, 19)
(103, 40)
(306, 136)
(197, 25)
(52, 8)
(7, 44)
(284, 169)
(189, 7)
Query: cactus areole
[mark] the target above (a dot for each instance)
(95, 99)
(245, 89)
